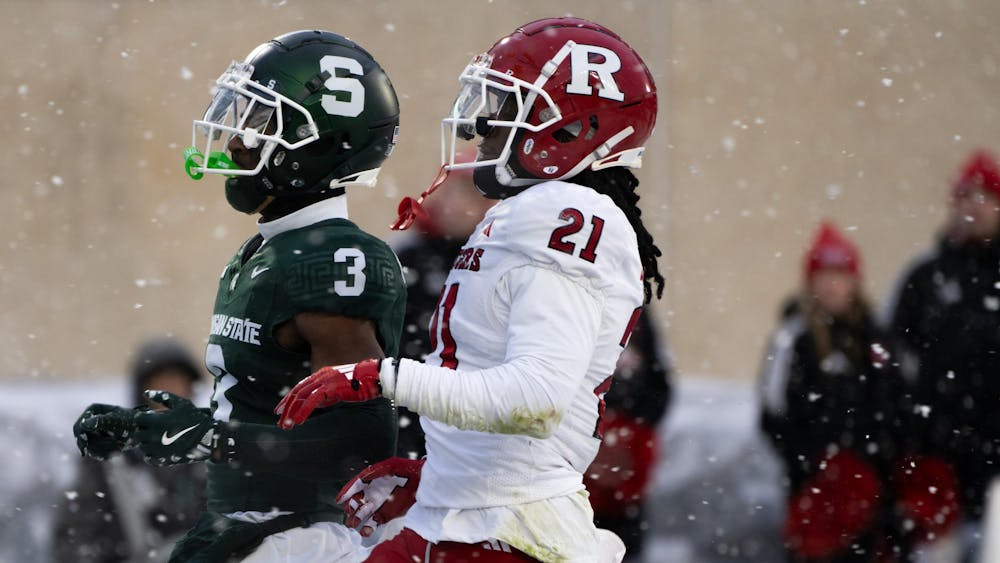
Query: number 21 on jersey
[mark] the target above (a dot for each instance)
(557, 241)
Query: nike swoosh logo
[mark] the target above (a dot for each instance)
(167, 440)
(257, 270)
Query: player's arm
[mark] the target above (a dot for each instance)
(331, 339)
(349, 436)
(553, 325)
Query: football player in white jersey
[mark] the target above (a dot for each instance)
(533, 316)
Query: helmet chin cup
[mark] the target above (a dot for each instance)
(497, 182)
(249, 194)
(485, 179)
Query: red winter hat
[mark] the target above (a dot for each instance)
(831, 250)
(981, 171)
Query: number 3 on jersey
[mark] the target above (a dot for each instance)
(442, 321)
(354, 285)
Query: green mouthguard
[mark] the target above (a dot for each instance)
(216, 160)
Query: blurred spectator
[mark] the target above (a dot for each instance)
(635, 404)
(833, 406)
(124, 509)
(427, 253)
(945, 313)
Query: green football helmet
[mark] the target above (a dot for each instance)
(319, 108)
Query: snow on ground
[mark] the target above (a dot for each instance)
(715, 496)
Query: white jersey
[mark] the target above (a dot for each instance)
(533, 316)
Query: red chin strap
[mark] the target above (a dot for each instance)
(411, 209)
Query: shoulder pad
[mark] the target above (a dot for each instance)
(569, 227)
(338, 268)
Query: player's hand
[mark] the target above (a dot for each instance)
(102, 430)
(352, 383)
(380, 493)
(182, 433)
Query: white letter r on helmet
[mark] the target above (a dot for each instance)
(581, 67)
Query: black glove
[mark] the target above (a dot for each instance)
(181, 434)
(104, 429)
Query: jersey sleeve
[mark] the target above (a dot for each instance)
(340, 271)
(554, 322)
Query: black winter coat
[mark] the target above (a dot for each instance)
(945, 315)
(812, 404)
(123, 509)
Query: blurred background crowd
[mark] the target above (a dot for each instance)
(817, 385)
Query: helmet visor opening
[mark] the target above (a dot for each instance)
(234, 111)
(477, 103)
(491, 99)
(239, 108)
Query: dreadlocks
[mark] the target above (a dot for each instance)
(619, 184)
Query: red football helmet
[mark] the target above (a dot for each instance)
(572, 94)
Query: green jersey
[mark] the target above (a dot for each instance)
(330, 266)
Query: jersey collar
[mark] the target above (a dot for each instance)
(333, 208)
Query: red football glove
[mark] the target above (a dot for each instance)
(380, 493)
(352, 383)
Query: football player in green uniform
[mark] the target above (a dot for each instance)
(303, 117)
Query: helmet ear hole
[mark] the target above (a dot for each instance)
(593, 128)
(568, 133)
(571, 132)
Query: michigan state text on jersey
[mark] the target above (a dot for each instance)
(330, 266)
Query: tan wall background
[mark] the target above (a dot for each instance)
(774, 114)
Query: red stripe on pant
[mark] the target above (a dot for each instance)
(409, 547)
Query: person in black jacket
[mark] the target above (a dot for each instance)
(833, 409)
(945, 314)
(124, 509)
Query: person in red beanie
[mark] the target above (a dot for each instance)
(832, 410)
(975, 200)
(945, 314)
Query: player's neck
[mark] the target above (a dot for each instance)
(287, 205)
(322, 210)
